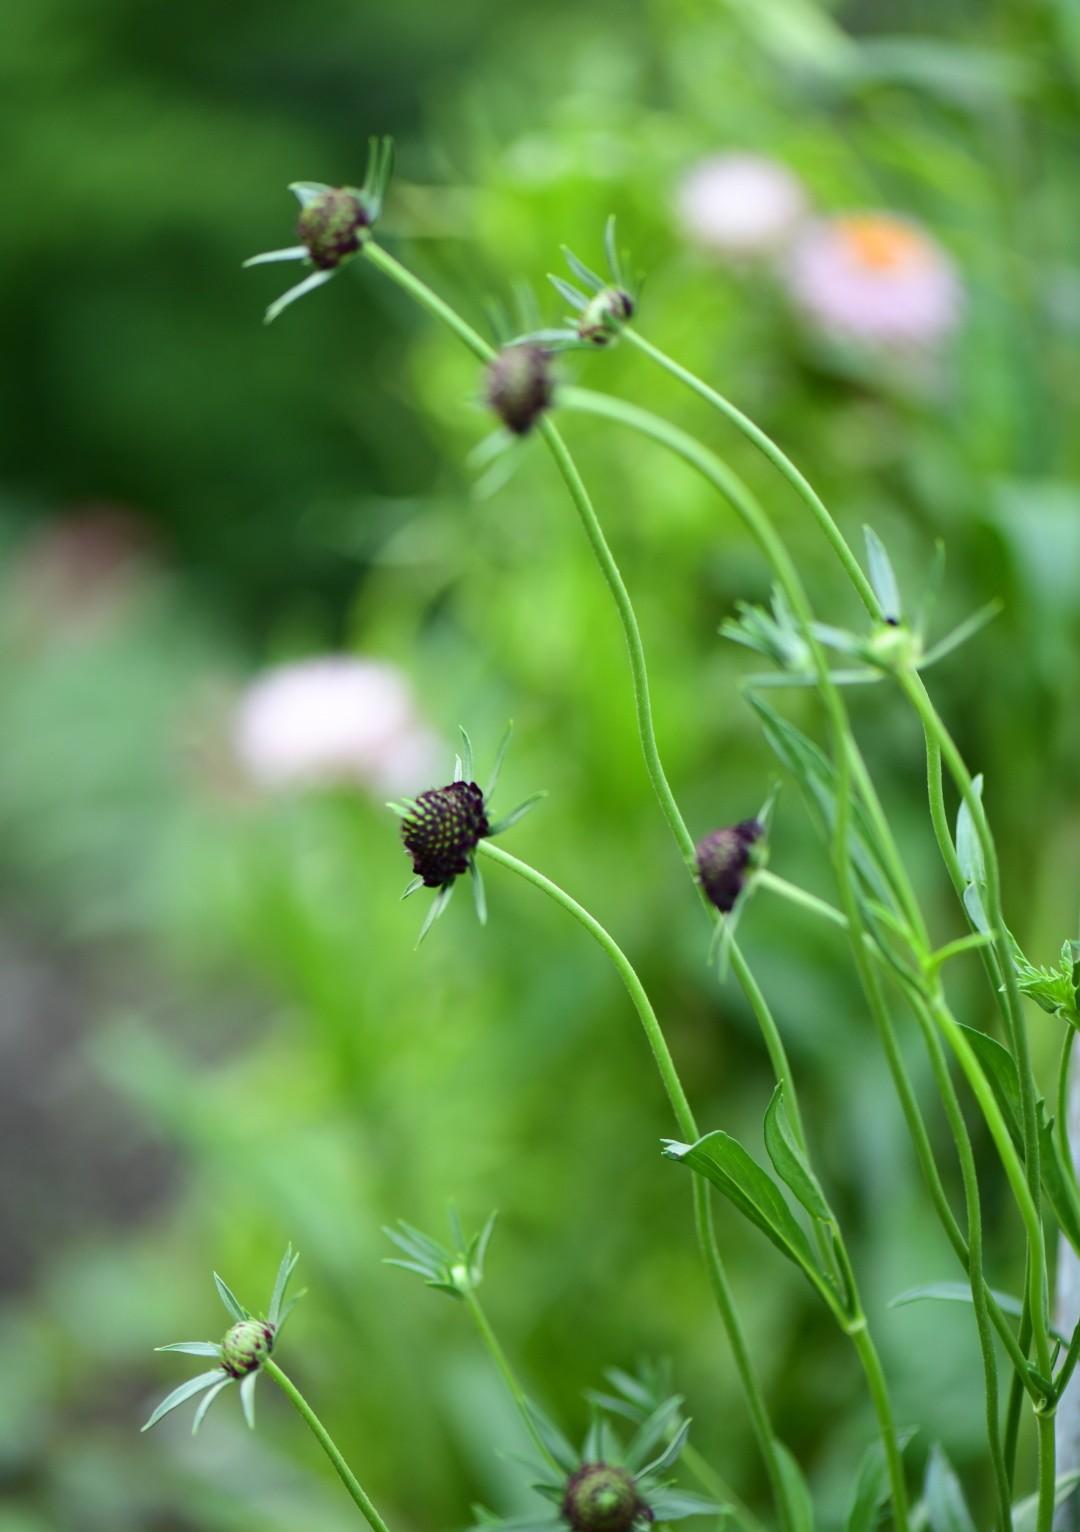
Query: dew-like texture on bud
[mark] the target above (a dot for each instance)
(246, 1346)
(442, 831)
(602, 1497)
(722, 860)
(605, 316)
(519, 386)
(332, 226)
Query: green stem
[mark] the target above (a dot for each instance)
(765, 444)
(327, 1443)
(509, 1377)
(688, 1127)
(1016, 1392)
(654, 766)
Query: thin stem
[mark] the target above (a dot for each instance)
(879, 1393)
(681, 834)
(506, 1372)
(687, 1126)
(765, 444)
(327, 1443)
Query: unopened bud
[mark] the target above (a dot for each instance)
(519, 386)
(333, 225)
(246, 1346)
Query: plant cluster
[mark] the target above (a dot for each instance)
(613, 1484)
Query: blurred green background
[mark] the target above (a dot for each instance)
(214, 1032)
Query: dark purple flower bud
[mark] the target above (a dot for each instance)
(519, 386)
(333, 225)
(722, 860)
(442, 830)
(246, 1347)
(602, 1497)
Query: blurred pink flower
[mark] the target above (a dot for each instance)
(740, 206)
(334, 720)
(877, 278)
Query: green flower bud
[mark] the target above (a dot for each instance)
(605, 316)
(893, 647)
(602, 1497)
(519, 386)
(246, 1346)
(333, 226)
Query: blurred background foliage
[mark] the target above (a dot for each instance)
(214, 1032)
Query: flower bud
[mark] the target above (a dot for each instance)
(519, 386)
(442, 830)
(246, 1346)
(722, 860)
(602, 1497)
(604, 316)
(333, 225)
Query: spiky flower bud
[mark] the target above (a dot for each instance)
(519, 386)
(604, 316)
(442, 830)
(722, 860)
(333, 225)
(602, 1497)
(246, 1346)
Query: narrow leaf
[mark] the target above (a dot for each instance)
(479, 897)
(229, 1299)
(307, 191)
(185, 1391)
(722, 1160)
(309, 284)
(247, 1398)
(872, 1485)
(193, 1347)
(670, 1455)
(946, 1507)
(954, 1292)
(789, 1160)
(436, 908)
(677, 1504)
(293, 253)
(519, 813)
(1026, 1511)
(581, 271)
(882, 575)
(968, 848)
(612, 253)
(569, 294)
(466, 755)
(798, 1492)
(284, 1274)
(500, 757)
(961, 633)
(553, 1439)
(204, 1404)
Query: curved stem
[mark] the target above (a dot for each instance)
(507, 1373)
(765, 444)
(327, 1443)
(688, 1127)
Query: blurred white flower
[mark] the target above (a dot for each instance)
(740, 206)
(334, 720)
(877, 278)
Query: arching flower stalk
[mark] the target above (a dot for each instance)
(442, 827)
(334, 222)
(246, 1345)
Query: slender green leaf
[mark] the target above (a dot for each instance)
(247, 1398)
(193, 1347)
(581, 271)
(519, 813)
(882, 575)
(229, 1299)
(186, 1390)
(798, 1491)
(677, 1504)
(789, 1160)
(670, 1455)
(553, 1439)
(946, 1507)
(654, 1429)
(1026, 1511)
(872, 1485)
(281, 1282)
(954, 1292)
(500, 757)
(205, 1402)
(968, 847)
(722, 1160)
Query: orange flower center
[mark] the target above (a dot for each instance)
(880, 242)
